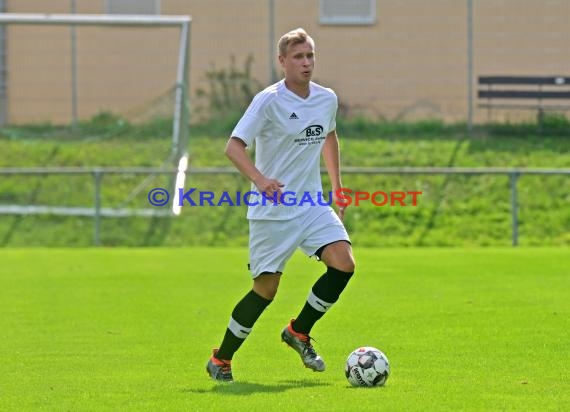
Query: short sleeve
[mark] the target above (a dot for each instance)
(253, 120)
(334, 108)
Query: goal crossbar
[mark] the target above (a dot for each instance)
(181, 109)
(93, 19)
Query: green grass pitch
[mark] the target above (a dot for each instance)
(131, 329)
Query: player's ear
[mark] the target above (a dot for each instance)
(281, 59)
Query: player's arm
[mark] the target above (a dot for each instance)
(235, 151)
(331, 156)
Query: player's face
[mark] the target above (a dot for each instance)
(299, 63)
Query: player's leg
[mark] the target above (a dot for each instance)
(243, 317)
(328, 240)
(337, 257)
(246, 313)
(268, 255)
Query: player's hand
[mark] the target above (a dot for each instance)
(269, 188)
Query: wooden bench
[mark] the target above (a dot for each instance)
(540, 93)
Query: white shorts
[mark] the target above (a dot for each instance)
(273, 242)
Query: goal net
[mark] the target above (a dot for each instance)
(93, 92)
(64, 68)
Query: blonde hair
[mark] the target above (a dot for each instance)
(293, 37)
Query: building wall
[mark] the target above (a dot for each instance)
(411, 64)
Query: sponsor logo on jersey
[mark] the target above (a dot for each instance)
(310, 135)
(293, 116)
(314, 130)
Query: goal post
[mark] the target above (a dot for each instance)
(138, 74)
(181, 100)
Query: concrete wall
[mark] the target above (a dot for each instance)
(412, 63)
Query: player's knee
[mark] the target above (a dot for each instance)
(268, 292)
(338, 255)
(266, 285)
(343, 261)
(347, 265)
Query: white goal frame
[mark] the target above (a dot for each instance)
(181, 115)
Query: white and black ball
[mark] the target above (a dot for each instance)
(367, 366)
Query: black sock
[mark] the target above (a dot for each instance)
(244, 315)
(324, 293)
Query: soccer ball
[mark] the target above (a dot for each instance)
(367, 366)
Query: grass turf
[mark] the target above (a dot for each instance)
(131, 329)
(453, 210)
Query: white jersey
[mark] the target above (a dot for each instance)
(289, 133)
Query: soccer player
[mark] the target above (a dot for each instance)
(291, 123)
